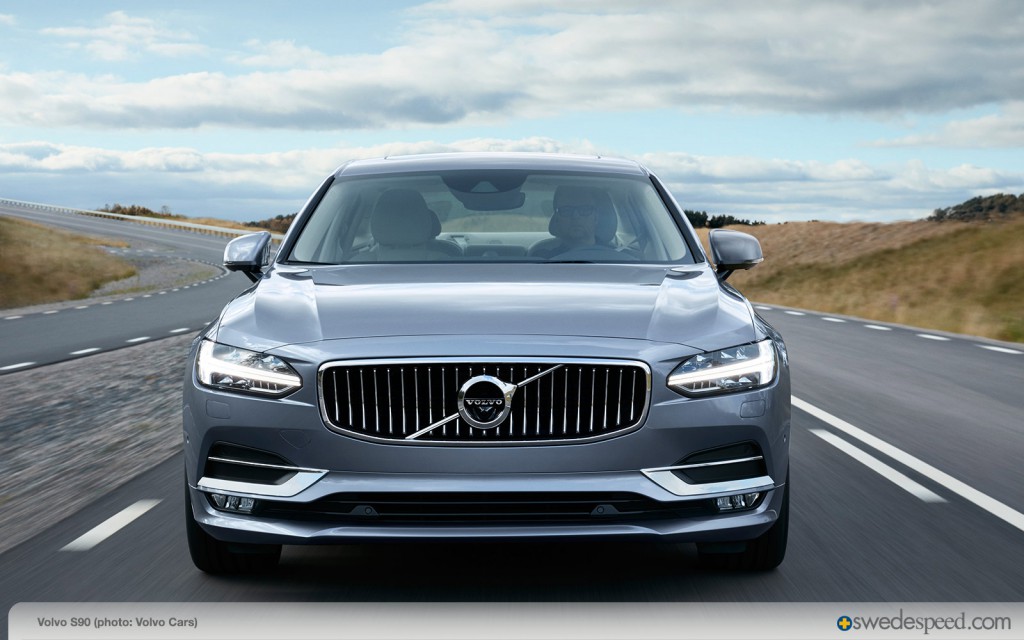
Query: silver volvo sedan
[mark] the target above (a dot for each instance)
(488, 347)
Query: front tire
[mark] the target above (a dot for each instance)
(214, 556)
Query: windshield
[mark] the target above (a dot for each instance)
(493, 216)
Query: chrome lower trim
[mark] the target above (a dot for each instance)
(717, 463)
(302, 480)
(669, 481)
(263, 465)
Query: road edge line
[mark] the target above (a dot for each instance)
(962, 489)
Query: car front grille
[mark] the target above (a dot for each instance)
(552, 400)
(482, 508)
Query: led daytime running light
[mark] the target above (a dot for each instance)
(740, 375)
(212, 370)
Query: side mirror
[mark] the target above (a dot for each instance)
(733, 251)
(248, 254)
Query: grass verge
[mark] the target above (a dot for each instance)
(960, 277)
(41, 264)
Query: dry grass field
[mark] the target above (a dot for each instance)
(41, 264)
(952, 276)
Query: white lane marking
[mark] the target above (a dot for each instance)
(106, 303)
(140, 339)
(1000, 349)
(82, 352)
(182, 330)
(928, 336)
(877, 327)
(796, 313)
(763, 308)
(148, 295)
(84, 306)
(49, 313)
(110, 526)
(833, 320)
(16, 366)
(962, 489)
(900, 480)
(128, 299)
(13, 317)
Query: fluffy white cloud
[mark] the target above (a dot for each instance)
(1000, 130)
(470, 62)
(122, 36)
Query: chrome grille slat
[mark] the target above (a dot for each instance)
(557, 400)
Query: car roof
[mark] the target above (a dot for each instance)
(492, 161)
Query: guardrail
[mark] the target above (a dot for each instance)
(156, 222)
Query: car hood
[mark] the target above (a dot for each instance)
(684, 305)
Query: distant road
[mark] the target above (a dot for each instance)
(41, 338)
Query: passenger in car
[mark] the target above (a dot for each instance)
(583, 222)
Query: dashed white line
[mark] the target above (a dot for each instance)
(84, 306)
(796, 313)
(899, 479)
(82, 352)
(106, 303)
(13, 317)
(1000, 349)
(20, 365)
(182, 330)
(827, 319)
(50, 313)
(877, 327)
(110, 526)
(928, 336)
(139, 339)
(965, 491)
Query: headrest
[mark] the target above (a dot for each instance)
(401, 219)
(606, 222)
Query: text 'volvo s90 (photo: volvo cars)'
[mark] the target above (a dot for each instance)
(488, 347)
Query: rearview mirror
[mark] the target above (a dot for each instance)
(248, 254)
(733, 251)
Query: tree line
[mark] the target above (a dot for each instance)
(982, 208)
(701, 219)
(139, 210)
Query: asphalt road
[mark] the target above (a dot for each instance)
(907, 486)
(45, 337)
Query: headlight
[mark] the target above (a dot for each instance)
(234, 369)
(734, 369)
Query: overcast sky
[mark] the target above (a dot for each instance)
(766, 110)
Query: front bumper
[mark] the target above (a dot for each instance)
(325, 464)
(706, 527)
